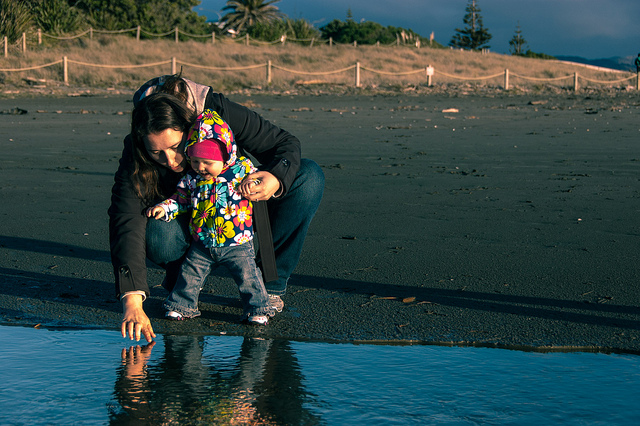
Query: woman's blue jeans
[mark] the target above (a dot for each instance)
(290, 217)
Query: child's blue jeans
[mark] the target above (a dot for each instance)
(239, 260)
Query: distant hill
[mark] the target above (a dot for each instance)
(616, 63)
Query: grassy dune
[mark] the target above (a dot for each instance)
(454, 70)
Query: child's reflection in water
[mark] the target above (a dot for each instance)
(261, 386)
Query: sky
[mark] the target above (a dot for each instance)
(592, 29)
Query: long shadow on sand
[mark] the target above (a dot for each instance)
(53, 247)
(546, 308)
(99, 294)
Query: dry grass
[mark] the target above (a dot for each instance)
(453, 69)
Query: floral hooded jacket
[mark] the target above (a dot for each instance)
(220, 217)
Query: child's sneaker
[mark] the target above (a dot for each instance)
(276, 302)
(258, 319)
(173, 315)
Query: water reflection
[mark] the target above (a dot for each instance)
(84, 377)
(194, 383)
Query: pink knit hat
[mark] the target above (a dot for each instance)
(210, 149)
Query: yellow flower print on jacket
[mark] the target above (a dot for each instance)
(219, 215)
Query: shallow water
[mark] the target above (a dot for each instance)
(96, 377)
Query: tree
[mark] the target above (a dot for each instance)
(247, 13)
(154, 16)
(474, 36)
(160, 16)
(517, 43)
(349, 15)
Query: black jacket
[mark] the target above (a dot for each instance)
(276, 150)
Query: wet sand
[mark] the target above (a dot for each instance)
(508, 221)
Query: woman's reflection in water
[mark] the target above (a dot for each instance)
(261, 386)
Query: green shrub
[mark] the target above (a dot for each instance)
(293, 28)
(530, 54)
(368, 33)
(15, 19)
(56, 17)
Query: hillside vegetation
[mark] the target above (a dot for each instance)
(113, 64)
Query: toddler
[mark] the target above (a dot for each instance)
(220, 224)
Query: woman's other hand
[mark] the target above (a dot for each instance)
(135, 322)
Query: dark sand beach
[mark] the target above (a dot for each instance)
(508, 220)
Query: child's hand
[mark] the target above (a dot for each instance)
(259, 186)
(156, 212)
(247, 186)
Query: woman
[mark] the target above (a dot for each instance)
(153, 161)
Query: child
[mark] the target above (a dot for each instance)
(221, 221)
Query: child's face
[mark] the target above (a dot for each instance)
(208, 169)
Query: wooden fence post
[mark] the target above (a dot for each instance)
(330, 41)
(637, 78)
(213, 37)
(355, 43)
(506, 79)
(39, 36)
(357, 74)
(575, 82)
(177, 34)
(269, 71)
(138, 33)
(6, 46)
(65, 70)
(246, 42)
(312, 40)
(24, 42)
(173, 66)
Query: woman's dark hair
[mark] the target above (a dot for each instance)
(175, 85)
(154, 114)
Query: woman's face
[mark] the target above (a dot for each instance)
(167, 149)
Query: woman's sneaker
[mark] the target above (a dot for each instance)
(173, 315)
(258, 319)
(276, 302)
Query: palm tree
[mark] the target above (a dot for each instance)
(246, 13)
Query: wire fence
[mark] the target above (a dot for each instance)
(429, 72)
